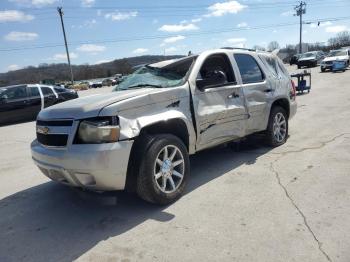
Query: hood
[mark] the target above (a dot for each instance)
(334, 58)
(89, 106)
(307, 58)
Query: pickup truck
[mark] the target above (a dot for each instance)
(140, 136)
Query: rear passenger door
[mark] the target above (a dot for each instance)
(256, 91)
(49, 96)
(34, 101)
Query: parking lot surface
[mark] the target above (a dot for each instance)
(252, 204)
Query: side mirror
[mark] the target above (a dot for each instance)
(212, 79)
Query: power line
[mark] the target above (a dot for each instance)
(154, 37)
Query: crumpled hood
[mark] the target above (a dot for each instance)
(307, 58)
(334, 58)
(89, 106)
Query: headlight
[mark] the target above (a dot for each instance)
(97, 131)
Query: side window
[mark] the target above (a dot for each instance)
(214, 64)
(34, 91)
(46, 91)
(17, 92)
(282, 67)
(270, 62)
(249, 69)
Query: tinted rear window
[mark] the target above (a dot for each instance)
(249, 69)
(34, 91)
(270, 62)
(46, 90)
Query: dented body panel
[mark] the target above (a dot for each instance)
(211, 116)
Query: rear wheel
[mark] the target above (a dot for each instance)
(163, 170)
(277, 129)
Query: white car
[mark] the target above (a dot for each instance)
(335, 55)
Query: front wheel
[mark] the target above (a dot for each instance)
(277, 129)
(163, 170)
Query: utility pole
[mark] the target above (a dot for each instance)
(60, 12)
(300, 10)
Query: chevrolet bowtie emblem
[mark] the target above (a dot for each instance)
(42, 130)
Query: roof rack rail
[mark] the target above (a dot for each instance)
(239, 48)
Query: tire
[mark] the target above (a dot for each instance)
(155, 164)
(323, 70)
(299, 66)
(273, 139)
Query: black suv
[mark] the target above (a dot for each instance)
(24, 102)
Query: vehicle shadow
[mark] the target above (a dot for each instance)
(50, 222)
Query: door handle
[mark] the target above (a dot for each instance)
(268, 90)
(233, 95)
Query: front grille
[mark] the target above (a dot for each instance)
(53, 133)
(52, 139)
(54, 123)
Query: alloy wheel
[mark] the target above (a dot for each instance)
(169, 169)
(279, 127)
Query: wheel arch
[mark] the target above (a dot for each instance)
(174, 126)
(282, 102)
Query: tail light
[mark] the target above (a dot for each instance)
(293, 91)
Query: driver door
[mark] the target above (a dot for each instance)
(13, 106)
(218, 107)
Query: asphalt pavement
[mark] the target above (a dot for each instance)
(250, 203)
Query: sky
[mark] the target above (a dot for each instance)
(103, 30)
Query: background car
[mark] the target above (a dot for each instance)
(65, 94)
(107, 82)
(96, 84)
(335, 55)
(294, 59)
(310, 59)
(24, 102)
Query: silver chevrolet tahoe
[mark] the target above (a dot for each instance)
(140, 136)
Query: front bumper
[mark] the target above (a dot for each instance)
(307, 63)
(293, 109)
(329, 67)
(100, 167)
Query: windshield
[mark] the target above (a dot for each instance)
(171, 75)
(338, 53)
(308, 55)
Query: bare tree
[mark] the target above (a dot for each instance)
(273, 45)
(259, 48)
(340, 40)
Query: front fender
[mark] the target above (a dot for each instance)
(131, 128)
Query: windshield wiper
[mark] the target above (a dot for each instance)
(144, 85)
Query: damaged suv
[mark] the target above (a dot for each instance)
(140, 136)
